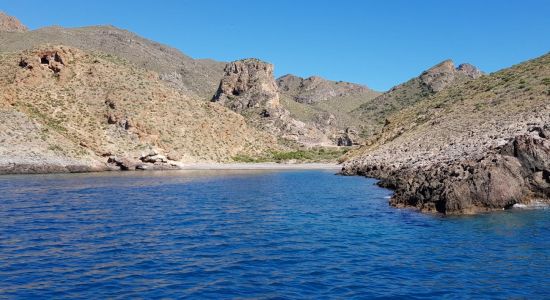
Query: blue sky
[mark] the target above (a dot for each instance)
(377, 43)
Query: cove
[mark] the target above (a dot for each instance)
(254, 234)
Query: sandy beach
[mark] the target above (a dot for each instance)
(259, 166)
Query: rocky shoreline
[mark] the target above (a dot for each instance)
(517, 172)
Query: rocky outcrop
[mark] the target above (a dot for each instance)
(374, 113)
(248, 85)
(10, 24)
(445, 73)
(480, 145)
(51, 61)
(348, 137)
(469, 71)
(518, 172)
(151, 160)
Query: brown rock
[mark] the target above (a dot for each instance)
(516, 173)
(124, 163)
(11, 24)
(248, 84)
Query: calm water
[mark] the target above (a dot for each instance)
(254, 234)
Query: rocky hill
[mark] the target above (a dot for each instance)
(315, 89)
(64, 109)
(10, 24)
(249, 88)
(320, 123)
(472, 146)
(373, 114)
(324, 102)
(191, 76)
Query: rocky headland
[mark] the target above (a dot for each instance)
(479, 145)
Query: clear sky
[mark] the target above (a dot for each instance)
(377, 43)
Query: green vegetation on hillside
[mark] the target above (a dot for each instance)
(308, 155)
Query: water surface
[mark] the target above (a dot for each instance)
(254, 234)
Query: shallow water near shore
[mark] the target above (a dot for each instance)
(254, 234)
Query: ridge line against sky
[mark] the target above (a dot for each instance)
(376, 43)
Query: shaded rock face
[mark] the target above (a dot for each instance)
(11, 24)
(348, 137)
(248, 84)
(48, 58)
(516, 172)
(445, 73)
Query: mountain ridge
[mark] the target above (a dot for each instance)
(373, 114)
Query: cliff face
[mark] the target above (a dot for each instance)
(69, 110)
(248, 87)
(10, 24)
(473, 146)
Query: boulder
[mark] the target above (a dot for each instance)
(124, 163)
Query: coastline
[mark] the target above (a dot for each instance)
(496, 179)
(22, 169)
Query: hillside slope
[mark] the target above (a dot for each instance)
(474, 146)
(62, 106)
(373, 114)
(200, 77)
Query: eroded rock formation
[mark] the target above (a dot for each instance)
(249, 88)
(248, 84)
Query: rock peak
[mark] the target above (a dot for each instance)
(248, 84)
(443, 74)
(11, 24)
(469, 70)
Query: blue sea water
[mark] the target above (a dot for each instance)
(254, 234)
